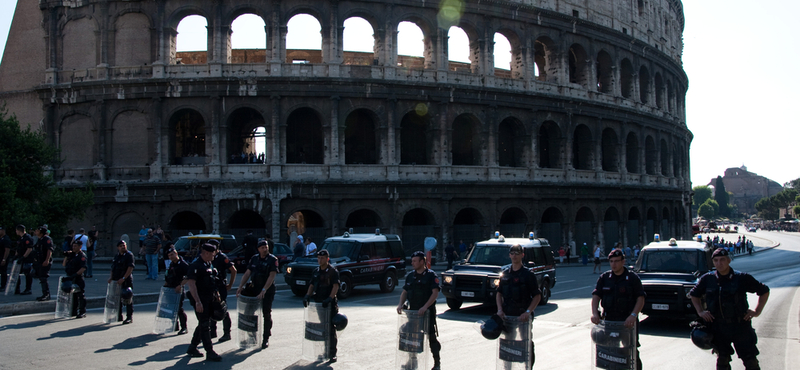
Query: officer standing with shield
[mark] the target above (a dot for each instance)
(202, 283)
(5, 250)
(261, 271)
(44, 258)
(518, 293)
(621, 293)
(175, 278)
(421, 290)
(122, 273)
(25, 258)
(323, 288)
(74, 267)
(727, 313)
(223, 266)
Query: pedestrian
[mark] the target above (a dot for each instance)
(122, 272)
(636, 251)
(94, 236)
(421, 290)
(621, 294)
(43, 259)
(175, 277)
(597, 253)
(152, 245)
(202, 283)
(322, 289)
(166, 247)
(451, 254)
(628, 253)
(299, 249)
(5, 251)
(519, 291)
(561, 254)
(74, 268)
(142, 235)
(25, 258)
(261, 272)
(84, 240)
(727, 312)
(462, 248)
(585, 254)
(223, 265)
(311, 248)
(250, 245)
(66, 245)
(569, 251)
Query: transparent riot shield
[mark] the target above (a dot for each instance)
(111, 310)
(614, 346)
(166, 311)
(250, 322)
(11, 284)
(64, 298)
(316, 333)
(412, 341)
(514, 345)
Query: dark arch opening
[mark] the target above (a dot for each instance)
(466, 142)
(468, 226)
(418, 217)
(304, 137)
(611, 214)
(363, 221)
(189, 130)
(185, 222)
(664, 158)
(626, 78)
(582, 153)
(551, 226)
(414, 138)
(605, 73)
(610, 145)
(360, 138)
(650, 155)
(511, 143)
(584, 215)
(632, 153)
(578, 65)
(243, 126)
(552, 214)
(659, 91)
(246, 219)
(513, 223)
(644, 85)
(652, 225)
(549, 145)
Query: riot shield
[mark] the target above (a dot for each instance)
(250, 322)
(64, 298)
(412, 341)
(166, 311)
(614, 346)
(11, 284)
(316, 333)
(514, 345)
(111, 311)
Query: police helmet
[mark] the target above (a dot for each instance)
(76, 288)
(340, 321)
(491, 329)
(701, 336)
(126, 295)
(66, 286)
(219, 310)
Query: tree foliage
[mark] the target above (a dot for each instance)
(714, 206)
(722, 197)
(701, 193)
(28, 194)
(768, 208)
(706, 211)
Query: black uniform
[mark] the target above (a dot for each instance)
(419, 288)
(41, 249)
(726, 300)
(618, 295)
(205, 276)
(23, 244)
(5, 245)
(222, 264)
(250, 246)
(172, 279)
(323, 282)
(260, 268)
(75, 263)
(118, 267)
(518, 289)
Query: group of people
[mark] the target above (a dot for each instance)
(245, 158)
(151, 241)
(740, 246)
(304, 247)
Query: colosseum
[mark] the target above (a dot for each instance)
(583, 137)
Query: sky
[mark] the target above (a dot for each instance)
(738, 55)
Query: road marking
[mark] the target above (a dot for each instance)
(572, 290)
(564, 282)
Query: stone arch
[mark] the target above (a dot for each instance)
(610, 146)
(188, 133)
(611, 226)
(361, 47)
(517, 66)
(632, 153)
(416, 137)
(578, 65)
(626, 78)
(511, 146)
(361, 137)
(313, 54)
(363, 221)
(428, 48)
(513, 223)
(659, 86)
(130, 139)
(124, 223)
(666, 231)
(552, 226)
(670, 97)
(418, 223)
(549, 144)
(77, 140)
(245, 219)
(305, 139)
(677, 161)
(605, 73)
(466, 141)
(318, 13)
(545, 59)
(651, 225)
(582, 148)
(79, 44)
(241, 9)
(243, 124)
(468, 225)
(250, 28)
(132, 40)
(633, 226)
(650, 154)
(644, 85)
(664, 150)
(311, 225)
(171, 35)
(185, 222)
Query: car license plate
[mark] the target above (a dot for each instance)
(467, 294)
(662, 307)
(301, 282)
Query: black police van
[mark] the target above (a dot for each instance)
(476, 279)
(361, 259)
(669, 270)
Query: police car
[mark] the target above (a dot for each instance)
(360, 258)
(477, 278)
(669, 270)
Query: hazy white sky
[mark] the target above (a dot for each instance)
(738, 55)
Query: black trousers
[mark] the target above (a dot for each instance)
(3, 275)
(266, 310)
(202, 333)
(128, 307)
(43, 272)
(79, 299)
(738, 335)
(181, 314)
(226, 321)
(433, 333)
(28, 278)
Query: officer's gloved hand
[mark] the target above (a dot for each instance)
(327, 302)
(306, 299)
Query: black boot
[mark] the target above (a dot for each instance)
(44, 297)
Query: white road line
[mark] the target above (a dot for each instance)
(572, 290)
(564, 282)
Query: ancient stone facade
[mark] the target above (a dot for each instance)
(584, 138)
(747, 188)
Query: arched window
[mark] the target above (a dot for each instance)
(610, 156)
(248, 39)
(626, 78)
(549, 144)
(410, 46)
(578, 65)
(458, 50)
(304, 137)
(605, 73)
(644, 85)
(360, 138)
(191, 44)
(582, 157)
(303, 40)
(414, 137)
(632, 153)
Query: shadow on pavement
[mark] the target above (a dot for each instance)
(25, 325)
(300, 365)
(132, 342)
(74, 332)
(665, 327)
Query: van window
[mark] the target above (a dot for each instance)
(547, 251)
(531, 256)
(397, 248)
(382, 250)
(367, 249)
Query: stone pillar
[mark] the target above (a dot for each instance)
(334, 155)
(335, 228)
(159, 135)
(212, 145)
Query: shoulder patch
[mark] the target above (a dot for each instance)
(83, 259)
(436, 280)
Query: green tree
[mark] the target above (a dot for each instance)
(28, 194)
(706, 211)
(722, 197)
(701, 193)
(796, 210)
(766, 209)
(714, 206)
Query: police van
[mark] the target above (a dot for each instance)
(361, 259)
(476, 279)
(669, 270)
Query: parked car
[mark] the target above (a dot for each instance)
(280, 250)
(187, 246)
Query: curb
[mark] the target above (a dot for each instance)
(22, 308)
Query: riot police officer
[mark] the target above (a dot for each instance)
(5, 250)
(323, 288)
(727, 313)
(223, 266)
(122, 272)
(202, 283)
(74, 267)
(261, 271)
(518, 291)
(421, 290)
(25, 258)
(175, 278)
(621, 294)
(43, 251)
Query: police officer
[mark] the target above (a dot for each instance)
(5, 250)
(175, 278)
(421, 290)
(122, 273)
(261, 271)
(519, 292)
(727, 313)
(621, 294)
(223, 266)
(43, 251)
(323, 288)
(25, 258)
(74, 267)
(202, 283)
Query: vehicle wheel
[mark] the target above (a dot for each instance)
(389, 282)
(545, 293)
(299, 292)
(345, 287)
(453, 303)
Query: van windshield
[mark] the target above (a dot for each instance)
(681, 261)
(490, 255)
(339, 249)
